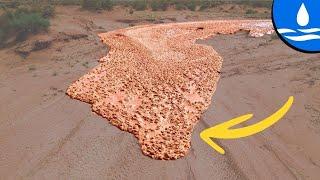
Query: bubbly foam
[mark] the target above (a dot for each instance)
(156, 81)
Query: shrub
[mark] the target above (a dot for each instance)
(21, 23)
(2, 6)
(89, 4)
(47, 11)
(69, 2)
(139, 5)
(191, 5)
(159, 5)
(11, 4)
(106, 4)
(25, 24)
(97, 4)
(208, 4)
(124, 3)
(256, 3)
(180, 6)
(2, 36)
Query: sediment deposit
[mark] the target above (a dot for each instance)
(156, 81)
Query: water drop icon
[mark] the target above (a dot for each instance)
(303, 16)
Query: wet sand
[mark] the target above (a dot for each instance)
(254, 81)
(46, 135)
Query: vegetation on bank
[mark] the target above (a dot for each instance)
(162, 5)
(97, 4)
(140, 5)
(19, 18)
(18, 23)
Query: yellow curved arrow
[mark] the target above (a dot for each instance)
(223, 131)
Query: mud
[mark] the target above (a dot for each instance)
(156, 81)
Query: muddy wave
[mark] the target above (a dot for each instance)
(156, 81)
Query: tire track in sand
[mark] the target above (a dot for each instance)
(156, 81)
